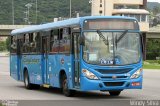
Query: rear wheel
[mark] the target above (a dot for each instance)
(114, 93)
(27, 83)
(65, 89)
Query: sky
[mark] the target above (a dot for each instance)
(153, 1)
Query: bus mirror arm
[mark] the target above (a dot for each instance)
(116, 42)
(142, 42)
(82, 40)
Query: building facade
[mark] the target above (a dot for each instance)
(128, 8)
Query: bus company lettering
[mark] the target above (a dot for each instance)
(31, 61)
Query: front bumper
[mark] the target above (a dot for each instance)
(108, 85)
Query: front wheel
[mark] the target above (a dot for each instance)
(65, 89)
(114, 93)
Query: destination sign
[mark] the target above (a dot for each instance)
(111, 24)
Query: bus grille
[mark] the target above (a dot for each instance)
(113, 83)
(114, 71)
(110, 77)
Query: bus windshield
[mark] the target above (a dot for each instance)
(111, 48)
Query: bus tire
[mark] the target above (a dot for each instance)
(27, 83)
(114, 93)
(35, 86)
(65, 89)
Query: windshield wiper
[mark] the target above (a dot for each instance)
(103, 38)
(121, 36)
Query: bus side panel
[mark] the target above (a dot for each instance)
(21, 69)
(53, 69)
(13, 67)
(56, 64)
(67, 67)
(33, 65)
(36, 67)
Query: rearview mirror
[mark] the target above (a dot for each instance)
(142, 42)
(82, 40)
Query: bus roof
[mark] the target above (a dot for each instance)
(63, 23)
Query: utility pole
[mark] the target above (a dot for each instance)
(26, 18)
(13, 12)
(36, 11)
(104, 7)
(70, 8)
(29, 5)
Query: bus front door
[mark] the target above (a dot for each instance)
(45, 51)
(76, 52)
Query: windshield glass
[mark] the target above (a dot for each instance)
(111, 48)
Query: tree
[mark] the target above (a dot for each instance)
(47, 10)
(153, 49)
(156, 10)
(2, 45)
(8, 43)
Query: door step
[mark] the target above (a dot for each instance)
(46, 85)
(76, 87)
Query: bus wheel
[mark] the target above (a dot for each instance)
(27, 83)
(114, 93)
(65, 89)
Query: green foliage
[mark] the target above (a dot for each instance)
(2, 45)
(47, 10)
(153, 49)
(156, 10)
(152, 5)
(8, 43)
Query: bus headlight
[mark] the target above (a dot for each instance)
(89, 74)
(137, 74)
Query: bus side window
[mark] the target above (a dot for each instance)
(38, 42)
(54, 42)
(31, 37)
(19, 44)
(21, 40)
(13, 44)
(61, 42)
(65, 40)
(26, 48)
(34, 42)
(23, 43)
(31, 43)
(51, 40)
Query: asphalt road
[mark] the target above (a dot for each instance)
(13, 90)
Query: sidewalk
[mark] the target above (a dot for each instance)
(4, 54)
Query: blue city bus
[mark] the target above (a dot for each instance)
(80, 54)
